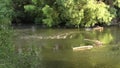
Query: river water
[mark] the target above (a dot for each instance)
(55, 47)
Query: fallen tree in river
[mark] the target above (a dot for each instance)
(88, 47)
(59, 36)
(95, 42)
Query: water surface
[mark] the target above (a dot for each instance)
(55, 47)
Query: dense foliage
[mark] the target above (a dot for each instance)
(6, 10)
(117, 4)
(6, 47)
(71, 13)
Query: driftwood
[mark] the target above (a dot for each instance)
(95, 42)
(59, 36)
(80, 48)
(98, 28)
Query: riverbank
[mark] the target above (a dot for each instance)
(27, 26)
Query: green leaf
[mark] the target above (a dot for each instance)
(29, 7)
(47, 10)
(34, 1)
(48, 22)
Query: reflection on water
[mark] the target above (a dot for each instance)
(57, 52)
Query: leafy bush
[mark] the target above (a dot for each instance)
(29, 7)
(6, 10)
(28, 57)
(86, 13)
(98, 14)
(71, 12)
(51, 16)
(6, 47)
(117, 4)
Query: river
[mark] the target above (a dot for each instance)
(55, 47)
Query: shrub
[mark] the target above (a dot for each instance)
(75, 13)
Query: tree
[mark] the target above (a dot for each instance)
(85, 13)
(70, 12)
(117, 4)
(6, 11)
